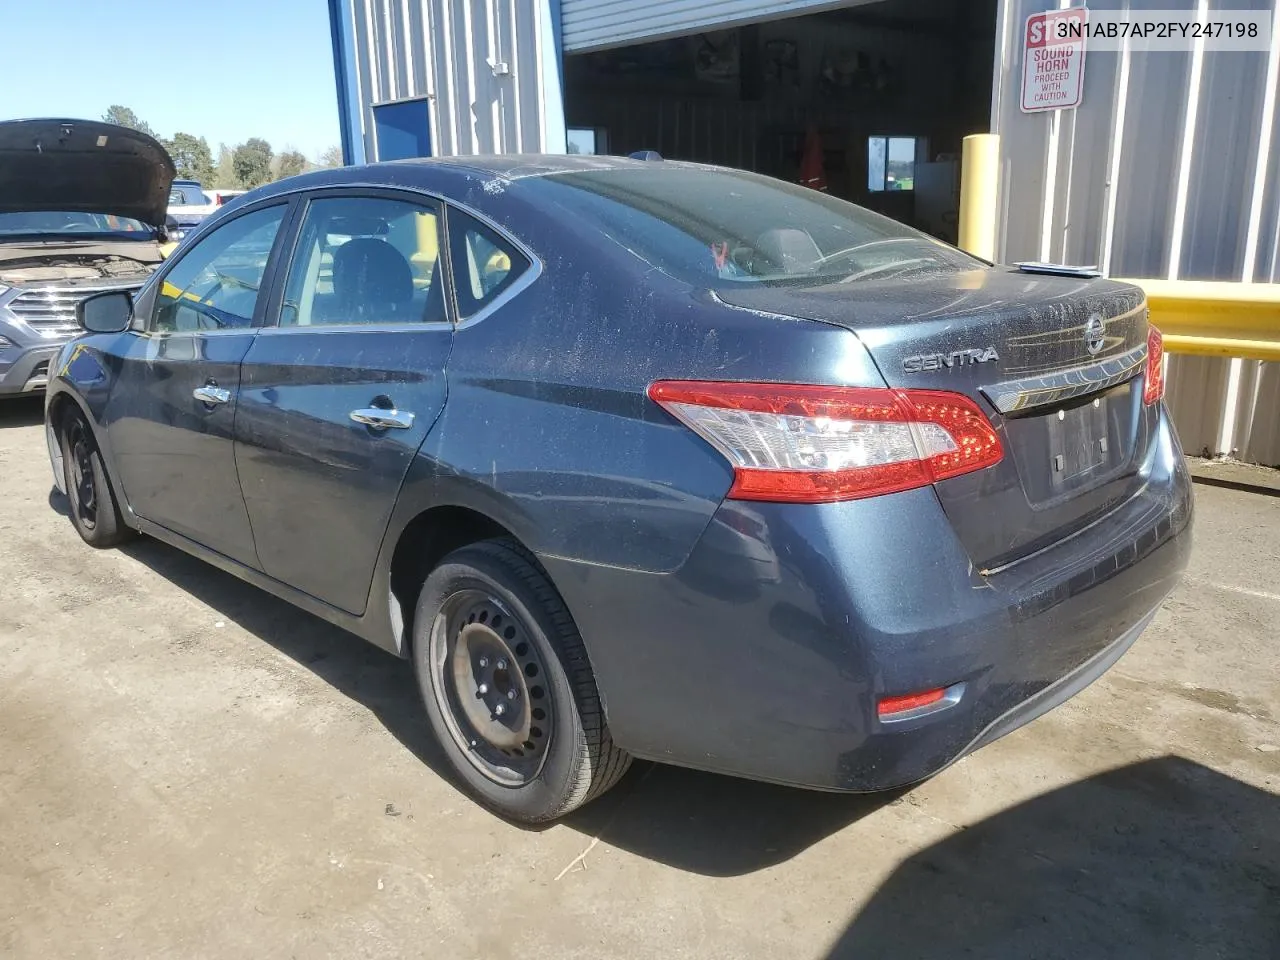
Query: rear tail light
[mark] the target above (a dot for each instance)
(801, 443)
(1153, 390)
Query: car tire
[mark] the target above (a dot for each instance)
(507, 685)
(90, 499)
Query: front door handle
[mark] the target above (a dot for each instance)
(211, 394)
(381, 419)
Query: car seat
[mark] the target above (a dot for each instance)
(372, 282)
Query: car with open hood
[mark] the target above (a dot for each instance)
(82, 211)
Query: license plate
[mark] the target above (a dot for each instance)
(1078, 442)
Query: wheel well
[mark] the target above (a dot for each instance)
(58, 410)
(425, 541)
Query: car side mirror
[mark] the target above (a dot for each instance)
(108, 312)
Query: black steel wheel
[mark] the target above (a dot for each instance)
(81, 483)
(94, 511)
(487, 674)
(507, 685)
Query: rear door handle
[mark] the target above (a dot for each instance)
(381, 419)
(211, 394)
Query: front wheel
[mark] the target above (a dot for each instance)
(94, 511)
(507, 685)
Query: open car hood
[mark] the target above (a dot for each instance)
(83, 166)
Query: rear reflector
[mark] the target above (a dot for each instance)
(800, 443)
(1153, 390)
(911, 701)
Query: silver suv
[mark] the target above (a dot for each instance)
(82, 210)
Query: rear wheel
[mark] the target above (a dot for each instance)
(94, 511)
(507, 686)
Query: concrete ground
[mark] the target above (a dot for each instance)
(191, 768)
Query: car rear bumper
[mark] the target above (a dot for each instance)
(26, 371)
(766, 653)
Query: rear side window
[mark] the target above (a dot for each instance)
(216, 284)
(484, 263)
(710, 226)
(366, 260)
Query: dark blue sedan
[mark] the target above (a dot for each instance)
(643, 459)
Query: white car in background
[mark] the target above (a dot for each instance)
(188, 199)
(188, 205)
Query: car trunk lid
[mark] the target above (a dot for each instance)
(1057, 363)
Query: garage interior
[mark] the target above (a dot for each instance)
(883, 92)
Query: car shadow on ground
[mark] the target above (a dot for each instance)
(21, 411)
(1162, 858)
(707, 824)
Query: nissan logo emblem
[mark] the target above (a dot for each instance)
(1095, 333)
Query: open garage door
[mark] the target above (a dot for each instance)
(867, 100)
(596, 24)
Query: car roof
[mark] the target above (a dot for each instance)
(509, 166)
(517, 166)
(449, 174)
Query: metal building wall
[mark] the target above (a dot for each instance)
(596, 24)
(490, 69)
(1168, 169)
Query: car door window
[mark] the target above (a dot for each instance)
(484, 263)
(216, 284)
(362, 260)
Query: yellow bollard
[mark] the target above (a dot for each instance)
(979, 190)
(428, 248)
(428, 244)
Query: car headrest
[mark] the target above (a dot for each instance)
(370, 276)
(789, 249)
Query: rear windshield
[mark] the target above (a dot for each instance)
(709, 226)
(70, 224)
(187, 195)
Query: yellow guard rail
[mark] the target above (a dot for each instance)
(1216, 319)
(1207, 318)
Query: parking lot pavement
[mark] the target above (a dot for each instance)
(192, 768)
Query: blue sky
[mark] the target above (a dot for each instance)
(226, 71)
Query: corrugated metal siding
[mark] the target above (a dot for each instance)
(596, 24)
(1153, 176)
(489, 68)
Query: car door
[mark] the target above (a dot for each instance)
(338, 396)
(171, 412)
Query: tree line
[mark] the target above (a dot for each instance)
(243, 166)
